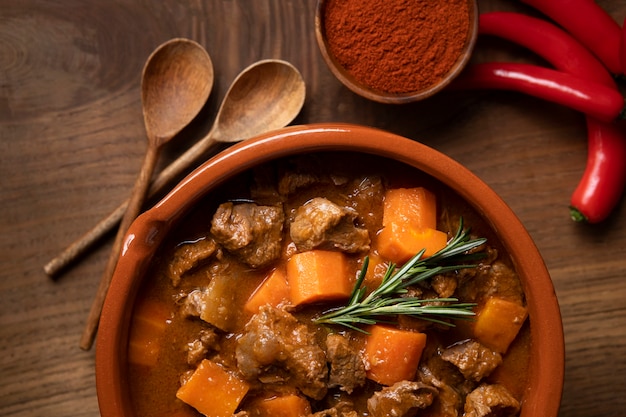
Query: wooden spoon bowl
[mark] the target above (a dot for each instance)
(175, 86)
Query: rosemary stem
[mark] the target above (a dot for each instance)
(388, 298)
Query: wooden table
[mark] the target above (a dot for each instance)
(72, 140)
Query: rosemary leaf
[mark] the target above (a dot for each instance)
(388, 301)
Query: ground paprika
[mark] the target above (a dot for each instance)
(396, 46)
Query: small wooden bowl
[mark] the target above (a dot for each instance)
(347, 79)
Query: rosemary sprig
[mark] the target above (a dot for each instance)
(387, 300)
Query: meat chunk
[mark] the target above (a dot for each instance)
(333, 412)
(251, 232)
(446, 379)
(264, 185)
(307, 171)
(448, 402)
(207, 341)
(347, 369)
(497, 279)
(366, 197)
(320, 223)
(275, 346)
(444, 285)
(474, 360)
(189, 256)
(491, 401)
(292, 181)
(193, 303)
(401, 399)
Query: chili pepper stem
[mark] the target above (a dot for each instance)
(576, 215)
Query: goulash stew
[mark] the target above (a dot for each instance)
(331, 284)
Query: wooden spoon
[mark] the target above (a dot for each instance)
(176, 82)
(265, 96)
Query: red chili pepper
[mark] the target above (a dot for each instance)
(604, 179)
(590, 24)
(602, 183)
(548, 41)
(622, 49)
(586, 96)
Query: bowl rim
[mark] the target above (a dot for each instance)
(388, 98)
(544, 392)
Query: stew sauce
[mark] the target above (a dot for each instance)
(169, 338)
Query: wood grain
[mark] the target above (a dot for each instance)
(72, 140)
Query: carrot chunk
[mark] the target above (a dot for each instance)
(498, 323)
(318, 275)
(289, 405)
(414, 206)
(399, 242)
(409, 224)
(273, 291)
(212, 390)
(148, 324)
(393, 355)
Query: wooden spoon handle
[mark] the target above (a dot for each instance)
(188, 159)
(174, 170)
(132, 211)
(80, 246)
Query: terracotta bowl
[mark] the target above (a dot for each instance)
(543, 394)
(364, 90)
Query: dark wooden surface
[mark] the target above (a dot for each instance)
(72, 140)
